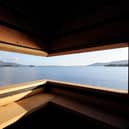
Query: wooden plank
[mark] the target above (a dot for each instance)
(91, 49)
(117, 106)
(12, 97)
(16, 41)
(14, 19)
(17, 38)
(14, 111)
(102, 35)
(13, 48)
(86, 87)
(21, 86)
(10, 114)
(34, 102)
(92, 112)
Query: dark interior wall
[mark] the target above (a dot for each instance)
(65, 26)
(53, 116)
(19, 23)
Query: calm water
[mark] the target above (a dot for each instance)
(112, 77)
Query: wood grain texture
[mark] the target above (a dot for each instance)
(13, 97)
(86, 87)
(71, 101)
(16, 41)
(99, 36)
(20, 86)
(14, 111)
(18, 49)
(91, 49)
(92, 112)
(16, 92)
(15, 37)
(10, 114)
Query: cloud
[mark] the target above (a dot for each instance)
(8, 57)
(15, 58)
(3, 53)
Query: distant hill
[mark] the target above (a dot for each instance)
(8, 64)
(113, 63)
(98, 64)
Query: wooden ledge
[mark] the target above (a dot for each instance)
(16, 92)
(16, 41)
(37, 83)
(86, 87)
(91, 49)
(115, 121)
(14, 48)
(21, 86)
(14, 111)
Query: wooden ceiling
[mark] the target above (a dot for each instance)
(64, 27)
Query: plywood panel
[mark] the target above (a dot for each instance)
(21, 86)
(18, 49)
(92, 112)
(99, 36)
(14, 111)
(18, 38)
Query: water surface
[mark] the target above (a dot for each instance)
(111, 77)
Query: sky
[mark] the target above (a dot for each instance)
(67, 60)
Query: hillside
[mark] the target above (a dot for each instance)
(113, 63)
(8, 64)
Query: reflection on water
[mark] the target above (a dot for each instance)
(112, 77)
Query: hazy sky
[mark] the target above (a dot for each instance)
(73, 59)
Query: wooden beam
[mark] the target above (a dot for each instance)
(16, 92)
(90, 49)
(102, 35)
(13, 111)
(14, 37)
(19, 49)
(22, 86)
(92, 112)
(85, 87)
(9, 97)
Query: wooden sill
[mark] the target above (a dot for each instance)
(19, 49)
(21, 86)
(14, 111)
(28, 105)
(34, 84)
(86, 87)
(92, 112)
(18, 91)
(16, 106)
